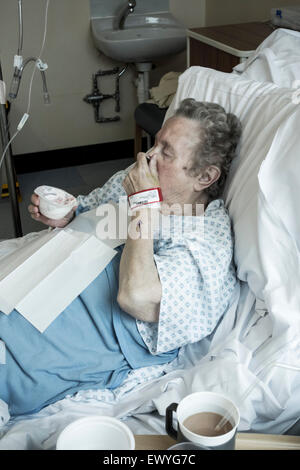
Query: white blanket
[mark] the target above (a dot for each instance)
(223, 365)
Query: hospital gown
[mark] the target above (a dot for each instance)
(93, 343)
(195, 267)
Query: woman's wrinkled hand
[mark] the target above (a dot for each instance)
(142, 176)
(34, 210)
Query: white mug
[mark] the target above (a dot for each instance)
(96, 433)
(203, 402)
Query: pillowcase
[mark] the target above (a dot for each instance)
(256, 193)
(276, 60)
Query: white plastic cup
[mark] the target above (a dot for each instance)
(96, 433)
(55, 203)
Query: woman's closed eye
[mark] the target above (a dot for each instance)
(166, 154)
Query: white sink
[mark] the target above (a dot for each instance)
(143, 39)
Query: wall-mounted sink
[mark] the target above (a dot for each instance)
(143, 39)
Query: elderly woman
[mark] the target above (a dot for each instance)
(164, 289)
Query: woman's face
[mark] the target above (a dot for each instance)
(173, 149)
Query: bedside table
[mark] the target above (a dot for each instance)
(223, 47)
(244, 441)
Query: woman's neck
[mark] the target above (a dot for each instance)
(195, 206)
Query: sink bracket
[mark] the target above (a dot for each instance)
(96, 97)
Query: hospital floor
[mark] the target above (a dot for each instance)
(76, 180)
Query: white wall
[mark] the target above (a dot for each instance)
(72, 59)
(108, 8)
(220, 12)
(190, 12)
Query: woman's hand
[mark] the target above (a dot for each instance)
(142, 176)
(34, 210)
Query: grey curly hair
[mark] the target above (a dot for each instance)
(220, 133)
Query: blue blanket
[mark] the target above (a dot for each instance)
(93, 344)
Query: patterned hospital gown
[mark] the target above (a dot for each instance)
(195, 268)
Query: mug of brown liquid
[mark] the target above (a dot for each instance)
(207, 419)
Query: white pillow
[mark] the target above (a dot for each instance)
(276, 60)
(271, 135)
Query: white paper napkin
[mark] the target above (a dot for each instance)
(51, 272)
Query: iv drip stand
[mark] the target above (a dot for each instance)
(10, 173)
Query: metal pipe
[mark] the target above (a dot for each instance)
(15, 84)
(20, 14)
(123, 70)
(10, 171)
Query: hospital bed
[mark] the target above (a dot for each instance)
(254, 355)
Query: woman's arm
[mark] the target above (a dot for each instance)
(139, 285)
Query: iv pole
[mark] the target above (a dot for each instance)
(19, 66)
(10, 173)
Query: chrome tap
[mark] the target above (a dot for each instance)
(124, 12)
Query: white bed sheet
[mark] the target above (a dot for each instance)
(241, 357)
(276, 60)
(222, 365)
(262, 198)
(31, 431)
